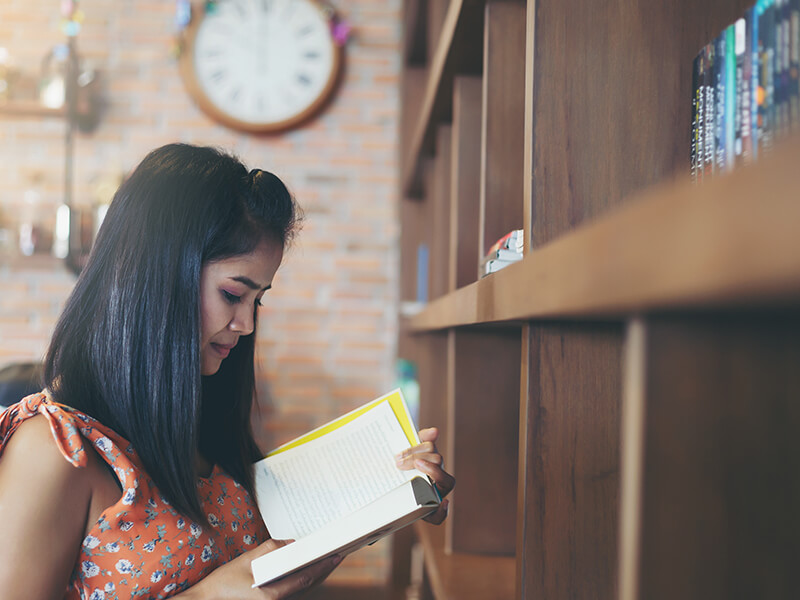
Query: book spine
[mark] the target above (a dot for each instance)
(730, 96)
(746, 108)
(422, 273)
(767, 28)
(786, 66)
(710, 120)
(761, 98)
(693, 140)
(794, 65)
(701, 113)
(719, 95)
(739, 52)
(781, 37)
(755, 70)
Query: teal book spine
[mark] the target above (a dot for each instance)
(730, 96)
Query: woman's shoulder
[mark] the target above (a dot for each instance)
(32, 448)
(72, 431)
(43, 498)
(32, 465)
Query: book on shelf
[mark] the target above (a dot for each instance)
(746, 88)
(504, 254)
(709, 106)
(697, 116)
(729, 118)
(337, 488)
(505, 251)
(793, 90)
(513, 240)
(720, 81)
(739, 32)
(492, 266)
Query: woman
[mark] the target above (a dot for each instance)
(149, 384)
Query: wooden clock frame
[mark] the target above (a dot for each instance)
(195, 90)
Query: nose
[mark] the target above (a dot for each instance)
(243, 321)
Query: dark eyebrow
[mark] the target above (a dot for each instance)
(250, 283)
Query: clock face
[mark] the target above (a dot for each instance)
(261, 65)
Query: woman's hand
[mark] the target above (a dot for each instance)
(426, 458)
(234, 580)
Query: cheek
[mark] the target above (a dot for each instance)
(212, 319)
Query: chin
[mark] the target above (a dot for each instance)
(207, 370)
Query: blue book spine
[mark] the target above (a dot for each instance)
(753, 18)
(422, 273)
(721, 159)
(794, 65)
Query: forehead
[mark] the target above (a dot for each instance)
(259, 265)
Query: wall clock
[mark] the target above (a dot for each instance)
(260, 66)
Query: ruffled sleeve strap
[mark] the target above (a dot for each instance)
(64, 425)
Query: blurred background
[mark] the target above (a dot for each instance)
(328, 328)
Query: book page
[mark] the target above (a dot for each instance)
(301, 490)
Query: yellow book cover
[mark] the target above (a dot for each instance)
(338, 488)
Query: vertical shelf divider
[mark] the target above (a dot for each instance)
(441, 198)
(571, 477)
(503, 108)
(465, 180)
(484, 435)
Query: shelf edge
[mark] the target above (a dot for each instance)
(728, 242)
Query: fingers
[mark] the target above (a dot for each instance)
(425, 451)
(430, 434)
(443, 480)
(440, 515)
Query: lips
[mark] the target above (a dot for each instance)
(222, 349)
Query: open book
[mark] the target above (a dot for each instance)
(338, 488)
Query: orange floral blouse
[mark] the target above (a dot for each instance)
(141, 547)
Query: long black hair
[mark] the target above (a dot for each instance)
(126, 349)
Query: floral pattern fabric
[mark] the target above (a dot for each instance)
(141, 547)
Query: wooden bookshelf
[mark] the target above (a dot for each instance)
(618, 407)
(456, 50)
(456, 576)
(729, 242)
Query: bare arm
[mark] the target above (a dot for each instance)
(44, 502)
(233, 580)
(44, 508)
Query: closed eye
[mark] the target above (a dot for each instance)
(231, 298)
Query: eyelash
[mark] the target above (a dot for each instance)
(234, 299)
(231, 298)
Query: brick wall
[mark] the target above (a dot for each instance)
(328, 328)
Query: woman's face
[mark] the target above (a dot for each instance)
(230, 291)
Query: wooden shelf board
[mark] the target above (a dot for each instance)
(729, 242)
(464, 576)
(453, 54)
(29, 108)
